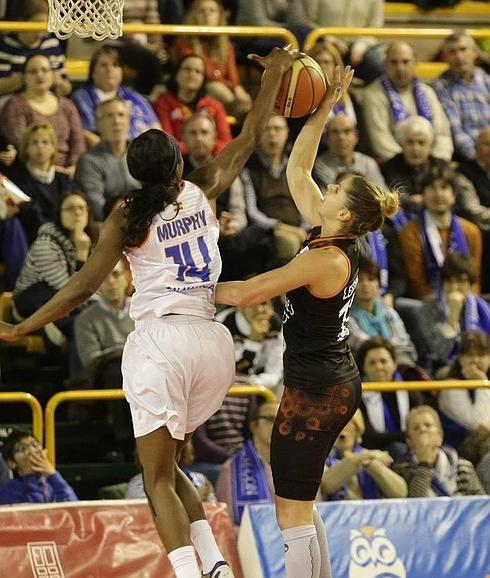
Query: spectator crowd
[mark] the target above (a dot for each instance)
(421, 310)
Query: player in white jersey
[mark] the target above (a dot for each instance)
(178, 364)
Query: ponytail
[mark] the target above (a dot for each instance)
(153, 158)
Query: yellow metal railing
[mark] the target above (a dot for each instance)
(314, 35)
(37, 412)
(425, 385)
(463, 9)
(172, 30)
(100, 394)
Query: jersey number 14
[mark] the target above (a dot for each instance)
(182, 256)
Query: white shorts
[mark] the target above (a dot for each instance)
(176, 371)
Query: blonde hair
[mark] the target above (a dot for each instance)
(369, 204)
(423, 409)
(357, 421)
(217, 47)
(324, 45)
(30, 132)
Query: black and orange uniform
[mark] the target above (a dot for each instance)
(322, 382)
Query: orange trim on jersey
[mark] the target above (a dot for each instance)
(329, 246)
(328, 241)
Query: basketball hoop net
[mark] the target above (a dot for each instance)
(98, 19)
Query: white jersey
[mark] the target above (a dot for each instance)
(175, 270)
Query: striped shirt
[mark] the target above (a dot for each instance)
(13, 54)
(51, 259)
(225, 432)
(467, 106)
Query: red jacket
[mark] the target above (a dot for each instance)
(173, 112)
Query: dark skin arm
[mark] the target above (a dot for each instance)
(85, 283)
(217, 176)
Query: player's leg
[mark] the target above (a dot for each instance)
(156, 453)
(307, 425)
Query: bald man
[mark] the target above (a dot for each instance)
(396, 96)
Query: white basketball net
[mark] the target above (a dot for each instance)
(98, 19)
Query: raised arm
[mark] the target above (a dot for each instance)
(85, 283)
(217, 176)
(305, 192)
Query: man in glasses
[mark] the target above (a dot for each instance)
(35, 477)
(246, 477)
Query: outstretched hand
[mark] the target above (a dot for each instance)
(9, 332)
(337, 86)
(277, 58)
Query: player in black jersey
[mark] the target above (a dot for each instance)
(322, 383)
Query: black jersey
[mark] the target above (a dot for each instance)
(317, 352)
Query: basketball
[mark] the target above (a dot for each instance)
(302, 89)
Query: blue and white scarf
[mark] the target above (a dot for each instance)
(379, 254)
(434, 252)
(248, 480)
(476, 314)
(378, 412)
(367, 484)
(398, 109)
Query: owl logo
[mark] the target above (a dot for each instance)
(373, 555)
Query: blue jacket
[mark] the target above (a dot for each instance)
(30, 489)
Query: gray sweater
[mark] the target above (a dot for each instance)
(102, 175)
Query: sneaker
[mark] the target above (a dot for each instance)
(220, 570)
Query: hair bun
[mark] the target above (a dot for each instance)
(390, 203)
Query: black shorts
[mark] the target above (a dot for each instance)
(306, 427)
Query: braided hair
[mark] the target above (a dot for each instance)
(153, 158)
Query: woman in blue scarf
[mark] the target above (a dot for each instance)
(453, 310)
(354, 473)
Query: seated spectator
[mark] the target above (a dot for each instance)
(35, 478)
(464, 410)
(100, 331)
(104, 82)
(143, 55)
(60, 249)
(13, 242)
(328, 57)
(222, 80)
(186, 95)
(435, 233)
(397, 95)
(102, 172)
(256, 332)
(135, 489)
(341, 137)
(223, 434)
(36, 103)
(246, 477)
(269, 201)
(453, 310)
(284, 14)
(354, 473)
(36, 174)
(409, 169)
(17, 47)
(478, 170)
(429, 469)
(372, 317)
(463, 91)
(385, 412)
(245, 248)
(361, 52)
(4, 471)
